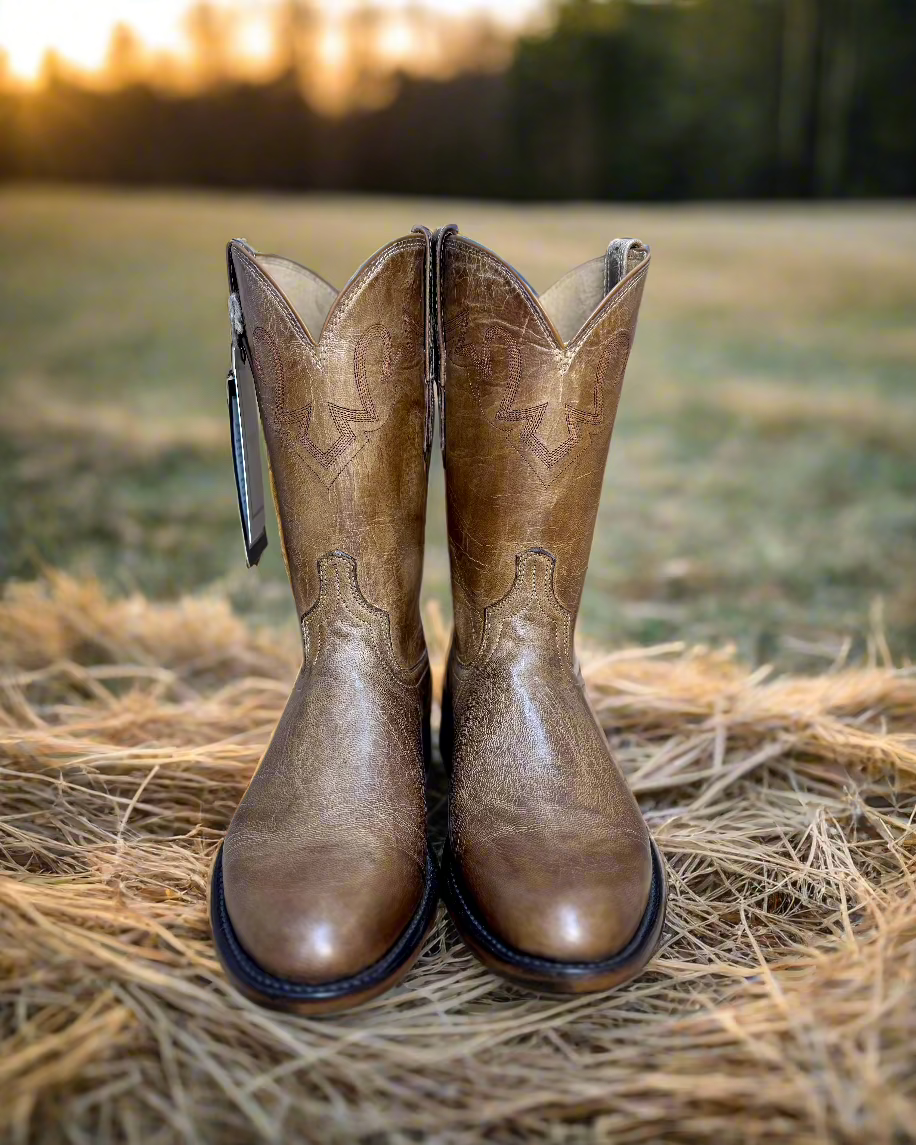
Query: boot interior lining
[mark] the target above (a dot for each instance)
(308, 293)
(572, 299)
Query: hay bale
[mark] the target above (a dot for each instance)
(781, 1007)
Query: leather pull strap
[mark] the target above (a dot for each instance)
(429, 339)
(436, 314)
(244, 421)
(435, 343)
(622, 256)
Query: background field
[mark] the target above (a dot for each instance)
(761, 491)
(762, 481)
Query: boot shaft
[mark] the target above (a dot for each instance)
(343, 390)
(528, 392)
(531, 388)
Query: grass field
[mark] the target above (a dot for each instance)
(762, 482)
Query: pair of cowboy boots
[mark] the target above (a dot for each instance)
(326, 886)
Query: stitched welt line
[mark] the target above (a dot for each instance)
(377, 621)
(526, 587)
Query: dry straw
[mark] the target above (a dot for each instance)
(781, 1008)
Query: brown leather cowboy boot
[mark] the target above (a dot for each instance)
(324, 889)
(549, 870)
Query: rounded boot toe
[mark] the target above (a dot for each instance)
(566, 912)
(305, 933)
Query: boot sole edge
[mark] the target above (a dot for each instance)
(273, 992)
(546, 975)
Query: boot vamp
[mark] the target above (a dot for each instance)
(548, 837)
(324, 862)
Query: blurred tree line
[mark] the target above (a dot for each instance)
(625, 99)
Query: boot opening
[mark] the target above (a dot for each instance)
(571, 301)
(308, 293)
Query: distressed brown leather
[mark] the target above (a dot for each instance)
(548, 839)
(325, 859)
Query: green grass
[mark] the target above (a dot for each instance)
(762, 482)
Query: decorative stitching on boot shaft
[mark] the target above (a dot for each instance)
(294, 425)
(314, 367)
(531, 598)
(579, 422)
(339, 596)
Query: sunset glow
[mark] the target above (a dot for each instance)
(80, 35)
(254, 39)
(332, 47)
(397, 39)
(164, 35)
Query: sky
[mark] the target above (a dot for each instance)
(79, 32)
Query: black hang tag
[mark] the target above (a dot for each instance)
(246, 456)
